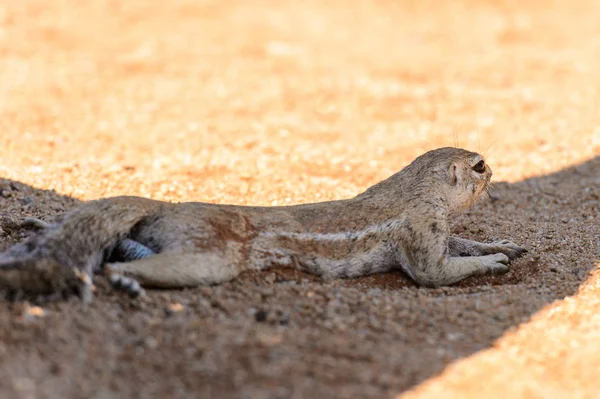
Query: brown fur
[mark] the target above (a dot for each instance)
(400, 222)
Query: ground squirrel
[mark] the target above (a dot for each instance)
(401, 222)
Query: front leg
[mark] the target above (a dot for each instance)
(462, 247)
(436, 259)
(451, 269)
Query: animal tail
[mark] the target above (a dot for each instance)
(62, 257)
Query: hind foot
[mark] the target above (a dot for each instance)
(123, 283)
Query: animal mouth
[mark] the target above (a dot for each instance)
(487, 186)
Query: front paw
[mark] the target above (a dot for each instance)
(508, 248)
(496, 263)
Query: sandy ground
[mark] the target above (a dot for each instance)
(281, 102)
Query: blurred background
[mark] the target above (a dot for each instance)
(274, 102)
(281, 102)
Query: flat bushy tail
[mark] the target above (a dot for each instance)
(62, 257)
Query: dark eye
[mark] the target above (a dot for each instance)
(479, 167)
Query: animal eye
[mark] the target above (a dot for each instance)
(479, 167)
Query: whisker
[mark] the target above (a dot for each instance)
(494, 192)
(485, 154)
(455, 134)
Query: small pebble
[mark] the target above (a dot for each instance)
(28, 201)
(175, 308)
(271, 278)
(151, 343)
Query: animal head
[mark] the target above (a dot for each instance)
(467, 176)
(456, 175)
(459, 174)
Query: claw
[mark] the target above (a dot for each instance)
(85, 289)
(510, 248)
(123, 283)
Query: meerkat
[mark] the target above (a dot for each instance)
(399, 223)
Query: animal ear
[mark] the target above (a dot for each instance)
(452, 174)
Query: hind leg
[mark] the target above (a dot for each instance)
(174, 269)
